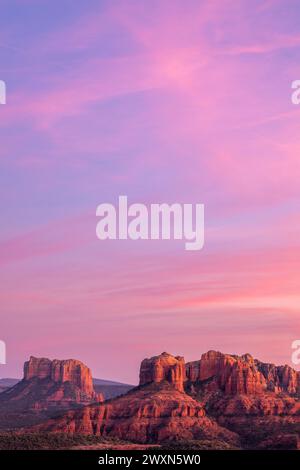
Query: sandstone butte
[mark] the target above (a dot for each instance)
(232, 401)
(51, 384)
(163, 367)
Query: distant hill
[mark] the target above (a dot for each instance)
(111, 389)
(7, 383)
(110, 382)
(108, 388)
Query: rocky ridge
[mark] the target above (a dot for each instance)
(227, 401)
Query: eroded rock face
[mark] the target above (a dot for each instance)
(37, 367)
(47, 384)
(60, 371)
(223, 399)
(163, 367)
(266, 404)
(280, 378)
(155, 413)
(258, 401)
(241, 375)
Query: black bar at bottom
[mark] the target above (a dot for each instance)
(134, 459)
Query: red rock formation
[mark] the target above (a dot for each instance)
(153, 413)
(280, 378)
(37, 367)
(241, 374)
(70, 370)
(266, 404)
(223, 399)
(257, 400)
(49, 384)
(163, 367)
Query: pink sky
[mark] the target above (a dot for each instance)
(168, 101)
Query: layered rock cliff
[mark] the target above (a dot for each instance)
(259, 401)
(156, 412)
(61, 371)
(51, 384)
(240, 375)
(280, 378)
(163, 367)
(224, 400)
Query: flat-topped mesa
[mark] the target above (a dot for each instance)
(62, 371)
(241, 374)
(163, 367)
